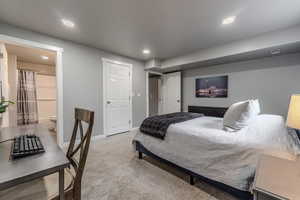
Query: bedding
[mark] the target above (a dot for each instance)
(202, 146)
(157, 126)
(240, 114)
(256, 106)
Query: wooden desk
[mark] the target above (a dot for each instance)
(18, 171)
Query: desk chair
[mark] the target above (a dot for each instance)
(73, 190)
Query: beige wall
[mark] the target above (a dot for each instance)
(46, 96)
(13, 82)
(39, 68)
(46, 89)
(4, 118)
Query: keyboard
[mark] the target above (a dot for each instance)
(26, 145)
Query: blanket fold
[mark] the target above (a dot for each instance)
(157, 126)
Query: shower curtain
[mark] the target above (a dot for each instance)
(27, 109)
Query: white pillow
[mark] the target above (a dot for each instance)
(255, 105)
(240, 114)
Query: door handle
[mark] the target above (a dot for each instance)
(108, 102)
(178, 101)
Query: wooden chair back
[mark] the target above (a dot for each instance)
(78, 162)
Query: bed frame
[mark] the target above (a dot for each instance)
(208, 111)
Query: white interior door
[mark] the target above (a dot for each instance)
(172, 92)
(117, 97)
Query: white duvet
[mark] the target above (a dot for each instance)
(202, 146)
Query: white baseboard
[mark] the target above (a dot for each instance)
(94, 138)
(98, 137)
(134, 128)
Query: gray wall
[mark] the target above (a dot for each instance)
(272, 80)
(82, 78)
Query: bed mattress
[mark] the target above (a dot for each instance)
(202, 146)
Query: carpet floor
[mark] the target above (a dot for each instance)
(113, 172)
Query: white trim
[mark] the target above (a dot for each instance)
(28, 43)
(147, 93)
(59, 101)
(154, 72)
(93, 139)
(98, 137)
(104, 60)
(59, 77)
(134, 128)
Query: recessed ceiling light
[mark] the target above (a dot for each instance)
(68, 23)
(146, 51)
(45, 57)
(228, 20)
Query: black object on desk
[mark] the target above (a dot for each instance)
(26, 145)
(30, 168)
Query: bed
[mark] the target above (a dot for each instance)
(202, 149)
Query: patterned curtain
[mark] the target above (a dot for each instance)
(26, 98)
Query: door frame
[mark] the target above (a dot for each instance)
(104, 98)
(59, 77)
(147, 88)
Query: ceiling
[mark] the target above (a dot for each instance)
(257, 54)
(169, 28)
(31, 55)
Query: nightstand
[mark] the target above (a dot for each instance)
(277, 179)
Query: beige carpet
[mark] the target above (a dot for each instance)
(113, 172)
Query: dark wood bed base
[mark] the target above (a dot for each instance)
(208, 111)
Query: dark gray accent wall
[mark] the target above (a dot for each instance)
(272, 80)
(82, 78)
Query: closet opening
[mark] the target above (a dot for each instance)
(155, 93)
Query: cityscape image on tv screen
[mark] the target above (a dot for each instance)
(212, 87)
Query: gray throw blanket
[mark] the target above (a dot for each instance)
(157, 126)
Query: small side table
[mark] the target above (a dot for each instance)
(277, 179)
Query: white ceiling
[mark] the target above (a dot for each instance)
(31, 55)
(168, 28)
(261, 53)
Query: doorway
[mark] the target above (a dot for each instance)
(117, 97)
(57, 109)
(155, 94)
(163, 93)
(32, 85)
